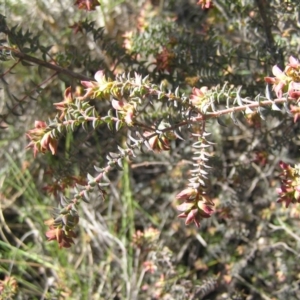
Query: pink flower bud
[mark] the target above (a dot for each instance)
(193, 217)
(117, 105)
(186, 206)
(187, 194)
(40, 124)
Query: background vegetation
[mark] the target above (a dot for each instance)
(130, 243)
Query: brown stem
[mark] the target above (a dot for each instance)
(9, 70)
(226, 112)
(267, 24)
(3, 118)
(45, 64)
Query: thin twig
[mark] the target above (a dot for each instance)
(214, 115)
(252, 287)
(20, 101)
(267, 24)
(287, 230)
(46, 64)
(9, 70)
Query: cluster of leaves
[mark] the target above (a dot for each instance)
(130, 99)
(193, 110)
